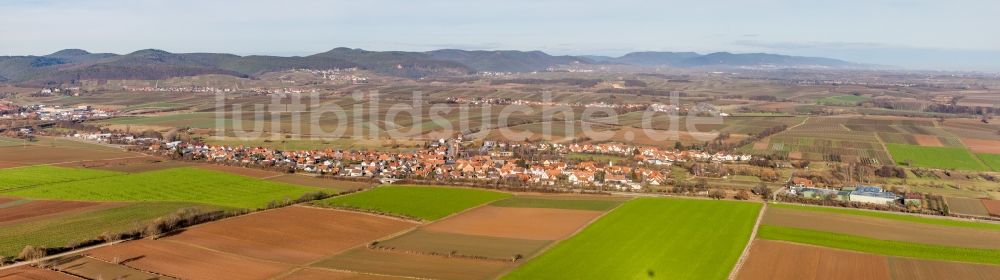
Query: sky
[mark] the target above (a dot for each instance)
(919, 34)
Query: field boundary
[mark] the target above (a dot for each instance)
(556, 242)
(746, 249)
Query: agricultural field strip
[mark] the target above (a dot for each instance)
(877, 246)
(933, 220)
(16, 178)
(421, 202)
(589, 261)
(185, 185)
(746, 249)
(936, 157)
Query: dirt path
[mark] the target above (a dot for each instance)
(746, 249)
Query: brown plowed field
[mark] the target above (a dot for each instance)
(442, 243)
(25, 272)
(42, 208)
(326, 274)
(296, 235)
(92, 268)
(45, 154)
(249, 172)
(967, 206)
(883, 229)
(913, 269)
(982, 145)
(774, 260)
(338, 185)
(129, 165)
(992, 206)
(413, 265)
(4, 164)
(187, 262)
(928, 140)
(518, 223)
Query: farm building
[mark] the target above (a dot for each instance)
(874, 195)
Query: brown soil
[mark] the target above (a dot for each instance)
(328, 183)
(992, 206)
(982, 145)
(913, 269)
(441, 243)
(967, 206)
(185, 261)
(45, 154)
(413, 265)
(762, 144)
(249, 172)
(883, 229)
(4, 164)
(43, 208)
(519, 223)
(326, 274)
(795, 155)
(296, 235)
(33, 273)
(928, 140)
(129, 165)
(92, 268)
(770, 260)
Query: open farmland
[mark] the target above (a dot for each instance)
(296, 235)
(966, 206)
(445, 244)
(184, 261)
(128, 165)
(893, 216)
(92, 268)
(883, 229)
(70, 227)
(567, 202)
(843, 100)
(520, 223)
(59, 152)
(770, 260)
(671, 224)
(935, 157)
(17, 211)
(421, 202)
(877, 246)
(382, 262)
(320, 182)
(825, 139)
(904, 268)
(33, 273)
(260, 245)
(991, 160)
(24, 177)
(176, 185)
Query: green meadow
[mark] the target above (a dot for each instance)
(422, 202)
(645, 238)
(877, 246)
(935, 157)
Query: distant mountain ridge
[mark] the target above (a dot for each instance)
(73, 65)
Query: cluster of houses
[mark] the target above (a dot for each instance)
(198, 89)
(509, 101)
(804, 188)
(448, 159)
(655, 155)
(52, 113)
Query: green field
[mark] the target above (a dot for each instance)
(172, 185)
(558, 203)
(58, 231)
(15, 178)
(935, 157)
(991, 160)
(876, 246)
(843, 100)
(652, 238)
(422, 202)
(892, 216)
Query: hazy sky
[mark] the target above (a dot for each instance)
(938, 34)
